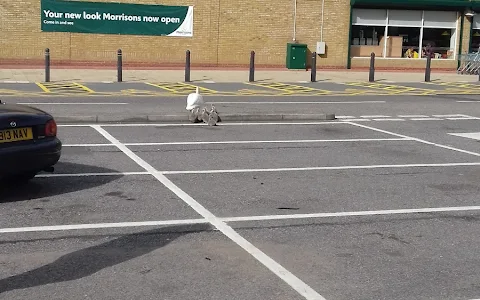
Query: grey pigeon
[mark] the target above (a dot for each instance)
(205, 115)
(193, 115)
(199, 115)
(211, 121)
(214, 114)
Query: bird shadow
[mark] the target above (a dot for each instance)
(85, 262)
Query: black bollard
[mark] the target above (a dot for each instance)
(251, 77)
(313, 75)
(371, 73)
(187, 66)
(119, 65)
(428, 68)
(47, 65)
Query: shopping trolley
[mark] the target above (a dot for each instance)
(469, 63)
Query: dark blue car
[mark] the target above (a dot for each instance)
(28, 142)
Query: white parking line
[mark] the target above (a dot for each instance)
(469, 135)
(200, 124)
(301, 287)
(295, 102)
(48, 175)
(16, 81)
(426, 119)
(352, 213)
(345, 117)
(416, 139)
(356, 120)
(239, 142)
(375, 116)
(412, 116)
(463, 118)
(451, 116)
(88, 145)
(73, 103)
(241, 219)
(320, 168)
(101, 225)
(304, 169)
(389, 119)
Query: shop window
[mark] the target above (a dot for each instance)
(403, 42)
(438, 42)
(405, 18)
(475, 40)
(366, 39)
(369, 17)
(368, 29)
(409, 33)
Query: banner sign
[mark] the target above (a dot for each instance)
(116, 18)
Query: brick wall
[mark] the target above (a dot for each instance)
(225, 31)
(467, 25)
(404, 63)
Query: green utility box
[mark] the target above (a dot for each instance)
(296, 56)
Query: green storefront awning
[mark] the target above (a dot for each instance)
(432, 4)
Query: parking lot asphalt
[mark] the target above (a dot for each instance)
(339, 209)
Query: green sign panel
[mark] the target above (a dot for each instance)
(116, 18)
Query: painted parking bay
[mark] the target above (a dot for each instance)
(456, 87)
(291, 89)
(181, 88)
(393, 89)
(64, 87)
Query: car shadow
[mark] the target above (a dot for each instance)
(41, 187)
(88, 261)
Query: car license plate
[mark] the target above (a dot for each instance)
(15, 135)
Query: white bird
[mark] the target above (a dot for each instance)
(194, 100)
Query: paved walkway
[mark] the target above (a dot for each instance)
(95, 75)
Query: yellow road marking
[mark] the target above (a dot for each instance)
(159, 86)
(268, 86)
(60, 87)
(290, 88)
(44, 88)
(181, 88)
(83, 87)
(394, 89)
(458, 85)
(201, 88)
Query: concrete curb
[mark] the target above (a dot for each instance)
(106, 119)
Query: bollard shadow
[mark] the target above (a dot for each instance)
(88, 261)
(40, 187)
